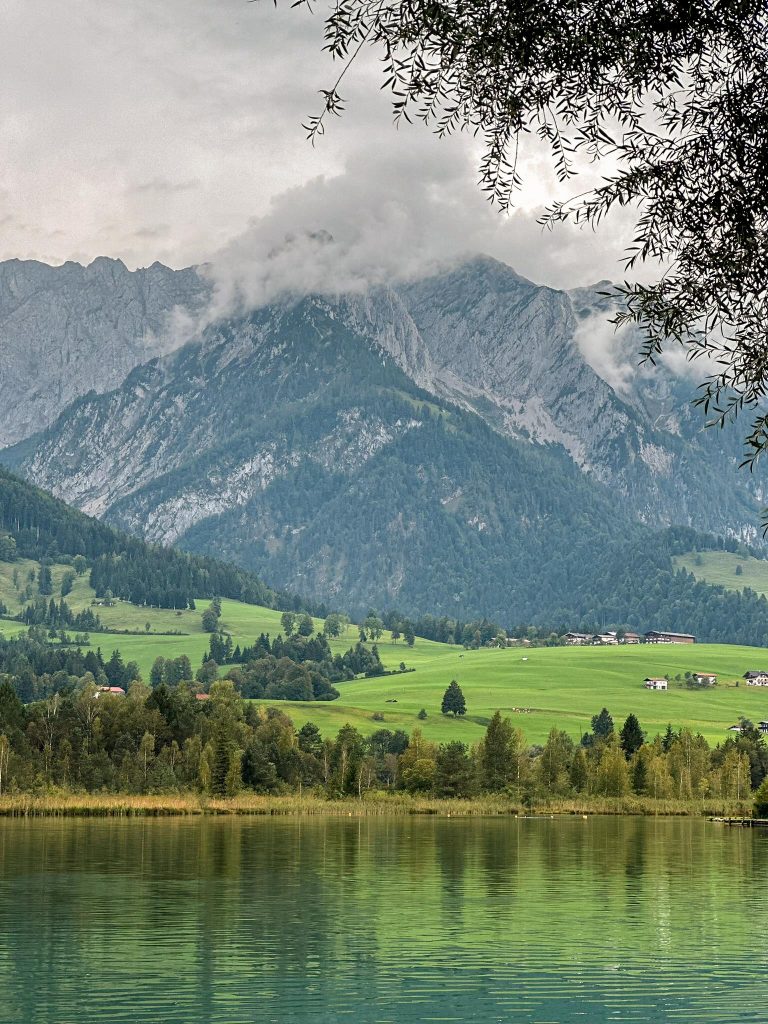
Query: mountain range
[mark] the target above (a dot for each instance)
(444, 445)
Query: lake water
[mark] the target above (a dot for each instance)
(390, 920)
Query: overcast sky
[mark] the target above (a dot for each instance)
(171, 130)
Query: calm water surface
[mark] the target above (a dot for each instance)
(394, 920)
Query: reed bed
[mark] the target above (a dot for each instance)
(117, 805)
(645, 806)
(371, 805)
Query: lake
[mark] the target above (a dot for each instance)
(381, 920)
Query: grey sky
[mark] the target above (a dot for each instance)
(172, 130)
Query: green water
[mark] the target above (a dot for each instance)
(395, 920)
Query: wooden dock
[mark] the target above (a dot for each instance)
(742, 822)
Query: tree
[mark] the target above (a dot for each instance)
(419, 776)
(602, 725)
(5, 758)
(67, 582)
(739, 570)
(306, 626)
(115, 670)
(8, 550)
(45, 580)
(146, 756)
(668, 739)
(640, 775)
(579, 774)
(332, 625)
(210, 619)
(453, 700)
(220, 769)
(11, 709)
(631, 735)
(373, 626)
(80, 564)
(288, 622)
(500, 755)
(760, 798)
(612, 776)
(310, 740)
(207, 673)
(555, 761)
(422, 714)
(455, 771)
(667, 100)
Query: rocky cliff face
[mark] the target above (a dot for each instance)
(518, 355)
(67, 330)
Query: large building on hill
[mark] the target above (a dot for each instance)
(577, 639)
(656, 636)
(756, 678)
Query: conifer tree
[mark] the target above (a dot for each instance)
(602, 725)
(640, 776)
(495, 756)
(632, 737)
(453, 700)
(220, 769)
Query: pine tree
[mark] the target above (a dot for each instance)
(115, 669)
(640, 776)
(602, 725)
(632, 737)
(453, 700)
(220, 769)
(45, 581)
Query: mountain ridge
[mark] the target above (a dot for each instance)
(399, 406)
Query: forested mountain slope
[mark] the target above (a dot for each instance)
(34, 525)
(537, 364)
(515, 353)
(293, 442)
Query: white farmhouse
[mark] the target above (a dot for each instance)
(655, 684)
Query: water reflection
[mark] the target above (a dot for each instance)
(380, 920)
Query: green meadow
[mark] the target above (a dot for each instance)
(719, 567)
(556, 686)
(538, 688)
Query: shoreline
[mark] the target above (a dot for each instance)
(107, 805)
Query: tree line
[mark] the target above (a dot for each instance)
(166, 739)
(35, 525)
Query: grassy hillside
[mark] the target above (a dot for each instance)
(719, 567)
(560, 686)
(538, 688)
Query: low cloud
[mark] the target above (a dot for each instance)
(610, 352)
(387, 218)
(616, 355)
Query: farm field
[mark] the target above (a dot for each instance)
(538, 688)
(557, 686)
(719, 567)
